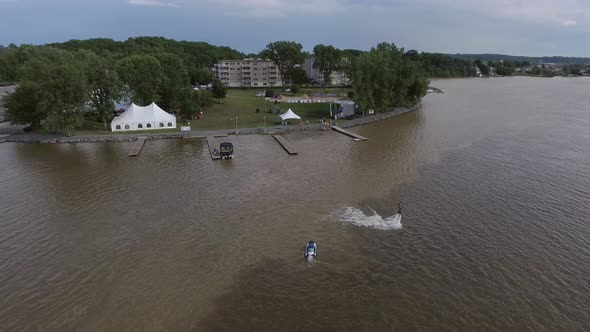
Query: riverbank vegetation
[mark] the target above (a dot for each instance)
(384, 79)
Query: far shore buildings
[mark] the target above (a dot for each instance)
(261, 73)
(248, 73)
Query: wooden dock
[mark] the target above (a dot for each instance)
(348, 133)
(136, 148)
(285, 144)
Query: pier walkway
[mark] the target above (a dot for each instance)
(348, 133)
(136, 148)
(285, 144)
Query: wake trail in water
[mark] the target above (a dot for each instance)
(357, 217)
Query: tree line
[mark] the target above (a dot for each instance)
(59, 85)
(512, 58)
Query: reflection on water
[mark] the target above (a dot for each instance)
(494, 175)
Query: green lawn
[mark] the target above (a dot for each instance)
(240, 103)
(243, 103)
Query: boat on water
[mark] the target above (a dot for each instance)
(311, 250)
(432, 89)
(226, 150)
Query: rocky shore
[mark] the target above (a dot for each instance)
(118, 138)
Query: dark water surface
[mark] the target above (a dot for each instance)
(495, 176)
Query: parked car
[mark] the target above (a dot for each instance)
(260, 94)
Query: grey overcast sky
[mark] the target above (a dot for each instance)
(517, 27)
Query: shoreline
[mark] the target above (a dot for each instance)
(120, 138)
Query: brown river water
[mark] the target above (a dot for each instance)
(495, 234)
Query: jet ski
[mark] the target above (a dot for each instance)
(311, 250)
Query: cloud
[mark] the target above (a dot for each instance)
(569, 22)
(278, 8)
(564, 12)
(152, 3)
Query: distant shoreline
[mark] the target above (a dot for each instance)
(119, 138)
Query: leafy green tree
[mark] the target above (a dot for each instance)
(218, 90)
(504, 70)
(298, 76)
(22, 106)
(483, 68)
(8, 66)
(326, 59)
(441, 65)
(141, 76)
(536, 70)
(59, 82)
(195, 102)
(573, 69)
(384, 79)
(104, 86)
(174, 80)
(285, 54)
(202, 76)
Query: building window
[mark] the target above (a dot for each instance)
(140, 126)
(118, 127)
(161, 124)
(256, 84)
(126, 126)
(264, 83)
(169, 124)
(149, 125)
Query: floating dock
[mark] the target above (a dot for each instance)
(348, 133)
(136, 148)
(285, 144)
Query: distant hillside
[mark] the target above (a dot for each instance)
(531, 59)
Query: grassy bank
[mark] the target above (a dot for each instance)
(243, 104)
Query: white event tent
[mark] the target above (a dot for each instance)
(289, 115)
(143, 118)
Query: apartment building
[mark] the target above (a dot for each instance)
(248, 73)
(314, 75)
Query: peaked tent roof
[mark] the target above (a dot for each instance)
(289, 115)
(139, 114)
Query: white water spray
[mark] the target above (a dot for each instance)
(354, 216)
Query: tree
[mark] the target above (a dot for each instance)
(298, 76)
(174, 80)
(384, 79)
(194, 102)
(219, 90)
(60, 87)
(8, 66)
(202, 76)
(22, 106)
(326, 59)
(141, 76)
(104, 86)
(285, 54)
(485, 69)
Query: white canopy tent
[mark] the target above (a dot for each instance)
(143, 118)
(289, 115)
